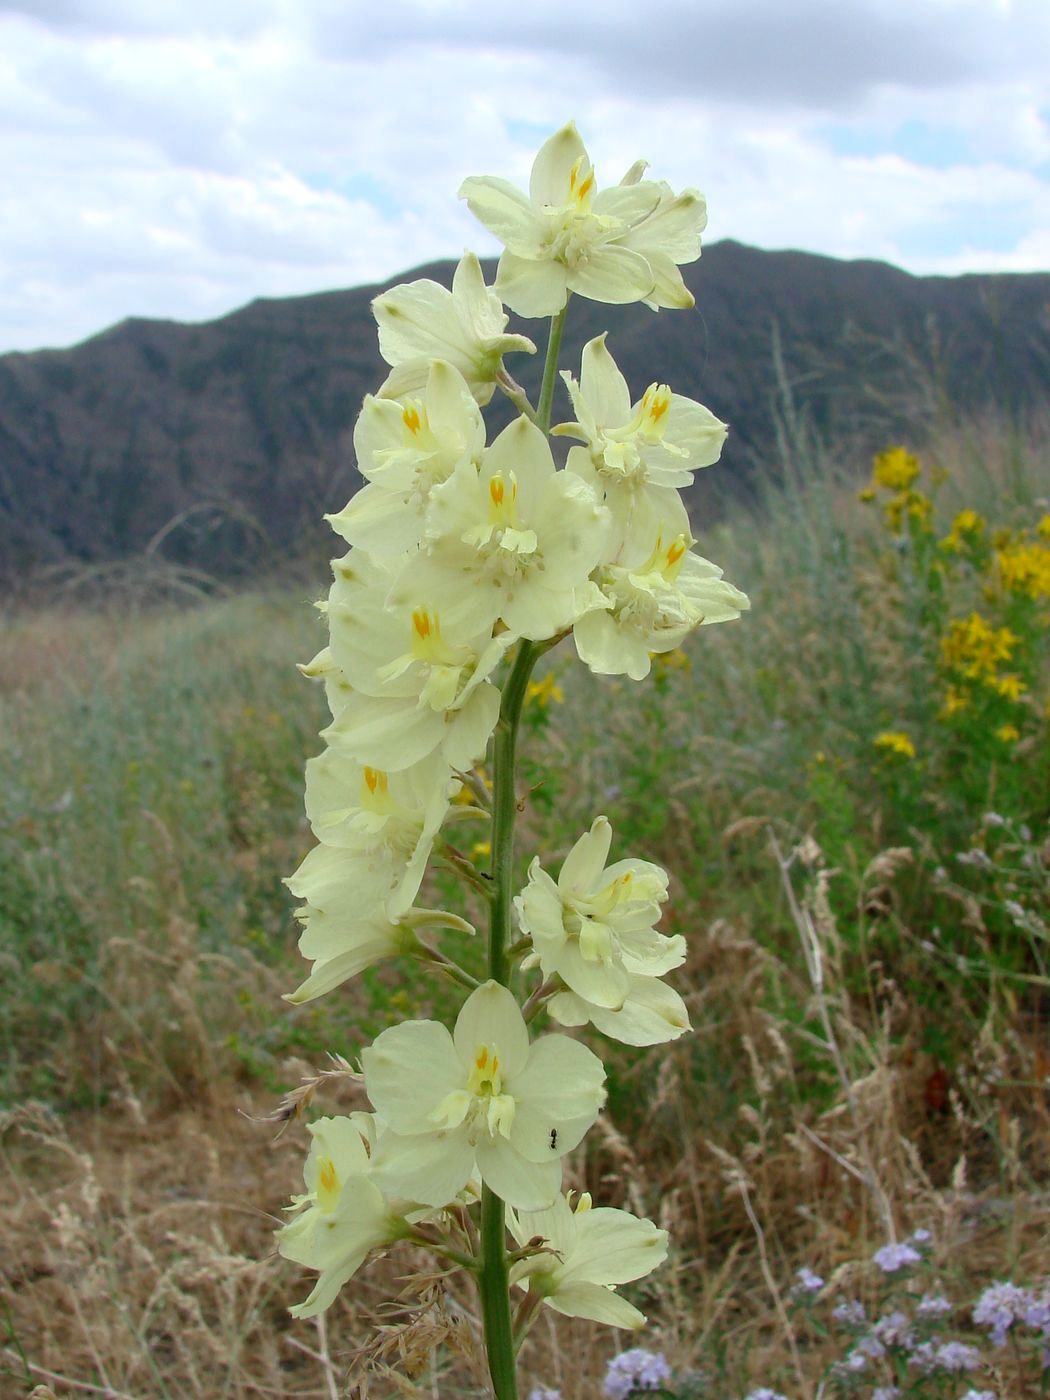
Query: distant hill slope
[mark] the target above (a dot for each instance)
(219, 446)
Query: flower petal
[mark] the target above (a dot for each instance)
(584, 864)
(526, 1185)
(613, 1246)
(431, 1168)
(552, 168)
(491, 1017)
(504, 210)
(409, 1070)
(597, 1304)
(533, 286)
(611, 274)
(561, 1088)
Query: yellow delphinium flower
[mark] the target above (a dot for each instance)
(892, 741)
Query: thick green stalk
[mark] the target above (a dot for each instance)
(495, 1281)
(495, 1276)
(550, 370)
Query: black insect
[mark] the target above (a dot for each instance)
(554, 1139)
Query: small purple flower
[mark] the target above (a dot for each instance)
(885, 1392)
(998, 1307)
(1037, 1313)
(850, 1312)
(764, 1393)
(921, 1237)
(956, 1357)
(895, 1330)
(933, 1305)
(543, 1392)
(871, 1346)
(923, 1358)
(808, 1281)
(892, 1257)
(633, 1370)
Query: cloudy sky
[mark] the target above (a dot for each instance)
(177, 158)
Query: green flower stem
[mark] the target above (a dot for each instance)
(500, 1342)
(550, 370)
(495, 1281)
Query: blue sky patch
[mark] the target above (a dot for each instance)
(940, 148)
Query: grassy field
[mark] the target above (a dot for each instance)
(851, 787)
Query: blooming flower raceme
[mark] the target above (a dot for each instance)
(385, 822)
(483, 1096)
(514, 541)
(405, 449)
(566, 235)
(593, 1251)
(652, 607)
(342, 1215)
(345, 924)
(422, 321)
(639, 454)
(594, 929)
(419, 670)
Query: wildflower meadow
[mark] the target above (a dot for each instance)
(608, 1003)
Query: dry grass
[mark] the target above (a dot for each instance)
(151, 800)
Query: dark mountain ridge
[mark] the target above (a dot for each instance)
(218, 446)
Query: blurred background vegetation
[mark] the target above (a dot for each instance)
(851, 788)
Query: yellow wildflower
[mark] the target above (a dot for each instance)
(1025, 568)
(967, 528)
(1011, 686)
(545, 690)
(892, 741)
(1008, 733)
(973, 649)
(920, 507)
(1043, 528)
(955, 702)
(676, 660)
(895, 469)
(480, 849)
(867, 495)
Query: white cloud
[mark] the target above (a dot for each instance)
(179, 158)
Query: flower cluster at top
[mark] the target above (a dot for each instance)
(461, 554)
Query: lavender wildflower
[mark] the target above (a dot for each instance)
(895, 1330)
(933, 1305)
(850, 1312)
(544, 1392)
(892, 1257)
(920, 1237)
(633, 1370)
(885, 1392)
(956, 1357)
(808, 1281)
(1000, 1305)
(764, 1393)
(923, 1358)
